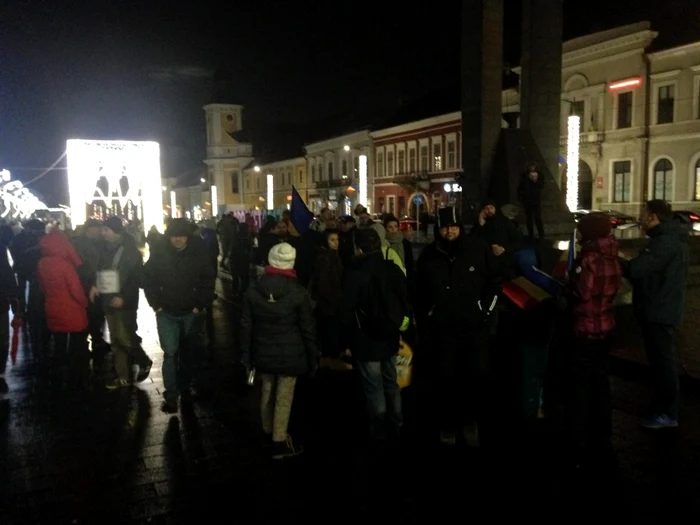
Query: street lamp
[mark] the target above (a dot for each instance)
(346, 147)
(256, 169)
(202, 180)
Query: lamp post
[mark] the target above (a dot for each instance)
(573, 144)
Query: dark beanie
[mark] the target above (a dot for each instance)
(93, 223)
(594, 226)
(448, 217)
(367, 240)
(179, 228)
(115, 224)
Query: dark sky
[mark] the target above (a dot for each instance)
(142, 70)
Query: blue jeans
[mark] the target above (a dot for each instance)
(173, 331)
(383, 397)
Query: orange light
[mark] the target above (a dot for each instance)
(632, 82)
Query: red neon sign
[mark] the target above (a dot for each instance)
(630, 82)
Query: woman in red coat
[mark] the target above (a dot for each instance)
(65, 304)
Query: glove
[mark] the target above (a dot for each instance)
(405, 324)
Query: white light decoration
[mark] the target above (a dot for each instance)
(270, 192)
(572, 151)
(214, 201)
(363, 180)
(17, 202)
(117, 161)
(173, 205)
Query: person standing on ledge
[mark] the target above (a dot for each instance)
(530, 193)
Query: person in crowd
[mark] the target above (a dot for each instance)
(227, 229)
(347, 226)
(374, 311)
(595, 281)
(66, 308)
(320, 224)
(287, 219)
(119, 274)
(501, 234)
(154, 239)
(658, 275)
(387, 251)
(327, 291)
(207, 233)
(402, 246)
(457, 285)
(278, 340)
(364, 220)
(530, 194)
(9, 298)
(274, 232)
(179, 285)
(89, 245)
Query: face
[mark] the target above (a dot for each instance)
(333, 241)
(281, 228)
(178, 242)
(490, 210)
(109, 235)
(449, 233)
(649, 220)
(94, 232)
(326, 215)
(332, 223)
(392, 227)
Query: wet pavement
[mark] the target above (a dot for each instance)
(114, 457)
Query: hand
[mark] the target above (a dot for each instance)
(482, 217)
(195, 311)
(94, 294)
(116, 302)
(498, 250)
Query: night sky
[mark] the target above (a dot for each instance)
(142, 70)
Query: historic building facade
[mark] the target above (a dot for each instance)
(285, 174)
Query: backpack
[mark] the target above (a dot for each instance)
(386, 304)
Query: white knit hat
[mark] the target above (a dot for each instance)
(282, 256)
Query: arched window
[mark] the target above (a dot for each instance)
(663, 180)
(697, 180)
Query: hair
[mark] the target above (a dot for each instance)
(389, 218)
(326, 234)
(531, 164)
(367, 240)
(661, 209)
(349, 219)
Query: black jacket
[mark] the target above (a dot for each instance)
(278, 332)
(358, 279)
(8, 284)
(130, 269)
(658, 275)
(456, 283)
(501, 231)
(180, 281)
(529, 192)
(90, 252)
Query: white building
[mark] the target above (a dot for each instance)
(333, 168)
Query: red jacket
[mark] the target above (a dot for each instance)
(66, 304)
(595, 281)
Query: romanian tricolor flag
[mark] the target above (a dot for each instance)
(524, 294)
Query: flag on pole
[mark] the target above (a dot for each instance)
(301, 216)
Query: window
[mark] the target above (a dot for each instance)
(451, 154)
(344, 168)
(578, 108)
(621, 180)
(663, 180)
(234, 181)
(247, 183)
(380, 164)
(389, 163)
(301, 176)
(356, 166)
(664, 110)
(313, 173)
(437, 157)
(624, 110)
(697, 180)
(401, 168)
(330, 171)
(391, 205)
(402, 206)
(320, 172)
(412, 160)
(257, 182)
(424, 158)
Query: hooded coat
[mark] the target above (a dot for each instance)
(65, 300)
(278, 332)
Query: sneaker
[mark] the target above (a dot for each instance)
(285, 449)
(170, 405)
(144, 372)
(661, 421)
(117, 383)
(4, 389)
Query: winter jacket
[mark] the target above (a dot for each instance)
(180, 281)
(501, 231)
(278, 332)
(8, 283)
(595, 281)
(90, 252)
(658, 275)
(327, 284)
(457, 283)
(130, 268)
(65, 300)
(529, 191)
(356, 293)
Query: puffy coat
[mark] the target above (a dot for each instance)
(65, 300)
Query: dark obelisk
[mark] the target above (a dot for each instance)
(482, 73)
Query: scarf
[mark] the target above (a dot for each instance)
(395, 241)
(271, 270)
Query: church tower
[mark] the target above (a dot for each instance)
(227, 155)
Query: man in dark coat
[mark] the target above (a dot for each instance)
(501, 234)
(530, 193)
(658, 275)
(179, 284)
(457, 285)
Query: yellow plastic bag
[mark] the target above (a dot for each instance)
(404, 364)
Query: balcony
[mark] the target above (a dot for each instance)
(334, 183)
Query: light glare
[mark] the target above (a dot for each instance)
(572, 158)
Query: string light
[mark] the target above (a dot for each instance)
(363, 180)
(572, 157)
